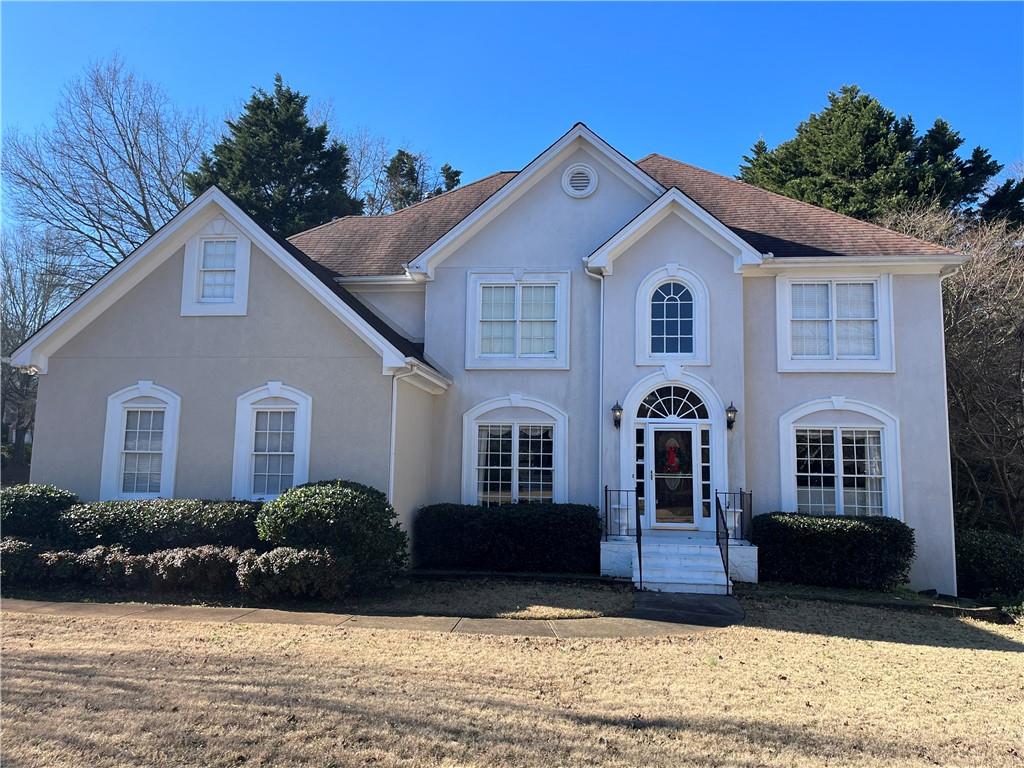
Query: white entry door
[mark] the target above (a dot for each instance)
(673, 482)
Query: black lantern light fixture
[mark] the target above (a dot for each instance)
(730, 415)
(617, 414)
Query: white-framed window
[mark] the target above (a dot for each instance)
(514, 450)
(517, 320)
(840, 457)
(835, 323)
(515, 463)
(672, 318)
(215, 275)
(140, 443)
(272, 439)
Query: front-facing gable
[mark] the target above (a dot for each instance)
(397, 353)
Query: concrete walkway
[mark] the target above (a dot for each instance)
(654, 615)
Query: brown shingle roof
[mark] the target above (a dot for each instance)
(780, 225)
(383, 245)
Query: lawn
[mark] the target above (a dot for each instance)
(800, 683)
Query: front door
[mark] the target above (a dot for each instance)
(671, 477)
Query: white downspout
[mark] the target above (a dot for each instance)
(391, 439)
(600, 391)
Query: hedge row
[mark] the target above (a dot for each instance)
(858, 552)
(540, 538)
(989, 563)
(283, 572)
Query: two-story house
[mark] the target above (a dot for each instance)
(645, 336)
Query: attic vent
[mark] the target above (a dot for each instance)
(579, 180)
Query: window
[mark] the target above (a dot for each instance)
(514, 463)
(215, 275)
(835, 324)
(853, 485)
(217, 278)
(140, 443)
(672, 320)
(518, 321)
(272, 440)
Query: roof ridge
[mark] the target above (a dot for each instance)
(792, 199)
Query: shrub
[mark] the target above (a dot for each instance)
(289, 572)
(543, 538)
(19, 562)
(34, 511)
(197, 569)
(114, 567)
(146, 525)
(861, 552)
(989, 563)
(353, 520)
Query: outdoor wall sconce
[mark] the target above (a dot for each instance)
(617, 414)
(730, 415)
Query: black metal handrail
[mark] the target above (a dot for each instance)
(617, 521)
(722, 538)
(738, 503)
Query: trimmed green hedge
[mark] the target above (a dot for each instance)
(34, 511)
(355, 521)
(537, 538)
(147, 525)
(287, 573)
(989, 563)
(857, 552)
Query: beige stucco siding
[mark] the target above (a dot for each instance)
(287, 336)
(914, 394)
(414, 453)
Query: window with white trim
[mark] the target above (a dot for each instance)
(517, 320)
(215, 275)
(217, 270)
(672, 319)
(515, 463)
(142, 457)
(839, 471)
(272, 440)
(140, 443)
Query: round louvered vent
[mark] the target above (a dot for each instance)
(579, 180)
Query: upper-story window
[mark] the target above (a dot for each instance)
(672, 318)
(834, 324)
(215, 279)
(517, 320)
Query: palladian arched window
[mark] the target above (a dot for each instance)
(672, 319)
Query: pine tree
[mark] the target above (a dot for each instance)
(287, 174)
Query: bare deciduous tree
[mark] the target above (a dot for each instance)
(984, 323)
(110, 171)
(34, 286)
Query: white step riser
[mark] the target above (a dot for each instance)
(682, 549)
(693, 589)
(682, 578)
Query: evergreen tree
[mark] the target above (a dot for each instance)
(289, 175)
(405, 181)
(858, 158)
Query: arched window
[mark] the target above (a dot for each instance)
(672, 402)
(272, 434)
(140, 443)
(672, 319)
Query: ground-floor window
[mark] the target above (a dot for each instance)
(840, 471)
(272, 439)
(273, 457)
(515, 463)
(142, 457)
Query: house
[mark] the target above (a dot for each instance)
(646, 336)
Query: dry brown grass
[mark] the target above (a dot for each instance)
(801, 683)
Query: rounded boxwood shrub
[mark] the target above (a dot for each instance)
(34, 511)
(353, 520)
(147, 525)
(206, 569)
(113, 567)
(536, 537)
(857, 552)
(989, 563)
(19, 562)
(289, 572)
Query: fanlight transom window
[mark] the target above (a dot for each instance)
(672, 320)
(672, 402)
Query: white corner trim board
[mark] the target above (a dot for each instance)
(547, 414)
(271, 396)
(143, 395)
(834, 413)
(701, 314)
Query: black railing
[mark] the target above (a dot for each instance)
(622, 519)
(722, 538)
(736, 507)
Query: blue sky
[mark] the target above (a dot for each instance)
(487, 87)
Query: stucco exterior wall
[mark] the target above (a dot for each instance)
(545, 230)
(402, 307)
(915, 394)
(287, 336)
(414, 455)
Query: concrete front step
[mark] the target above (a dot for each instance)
(684, 576)
(682, 549)
(693, 589)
